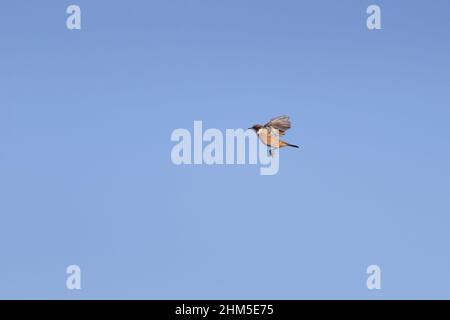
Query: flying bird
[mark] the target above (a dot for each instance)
(270, 133)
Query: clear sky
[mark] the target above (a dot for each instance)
(86, 176)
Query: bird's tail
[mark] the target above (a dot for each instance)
(285, 144)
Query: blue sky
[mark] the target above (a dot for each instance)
(85, 170)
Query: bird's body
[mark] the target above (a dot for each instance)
(270, 133)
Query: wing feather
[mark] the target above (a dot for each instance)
(282, 123)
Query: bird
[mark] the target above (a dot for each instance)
(270, 133)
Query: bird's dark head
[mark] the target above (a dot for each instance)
(256, 127)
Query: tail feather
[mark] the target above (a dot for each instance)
(285, 144)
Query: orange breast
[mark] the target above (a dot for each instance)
(268, 139)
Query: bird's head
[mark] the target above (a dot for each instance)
(256, 127)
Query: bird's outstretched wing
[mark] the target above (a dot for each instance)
(281, 123)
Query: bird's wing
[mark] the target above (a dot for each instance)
(281, 123)
(275, 132)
